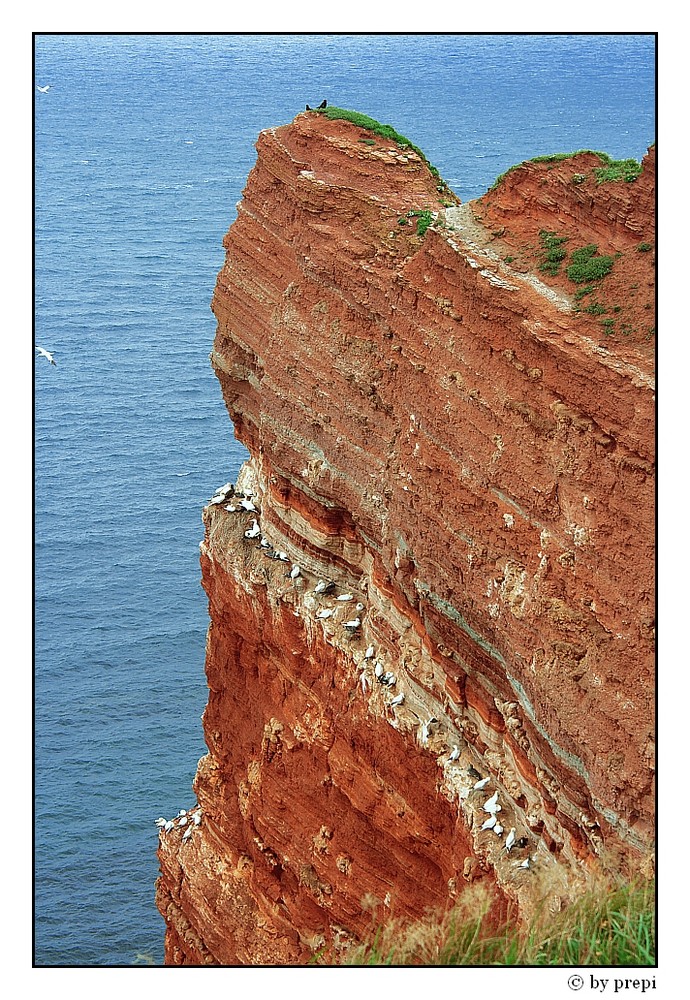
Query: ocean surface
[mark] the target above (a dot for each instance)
(142, 147)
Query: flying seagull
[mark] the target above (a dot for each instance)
(44, 90)
(46, 354)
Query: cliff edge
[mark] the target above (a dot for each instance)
(436, 570)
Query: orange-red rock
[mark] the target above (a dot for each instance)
(446, 438)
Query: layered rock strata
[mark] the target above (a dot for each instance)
(448, 574)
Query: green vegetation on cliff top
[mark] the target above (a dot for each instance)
(385, 131)
(612, 170)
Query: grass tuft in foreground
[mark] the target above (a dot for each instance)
(607, 927)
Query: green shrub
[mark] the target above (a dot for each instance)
(552, 251)
(644, 247)
(587, 264)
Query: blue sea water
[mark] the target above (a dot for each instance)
(142, 147)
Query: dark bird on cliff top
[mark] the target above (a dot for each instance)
(473, 772)
(46, 354)
(308, 108)
(323, 104)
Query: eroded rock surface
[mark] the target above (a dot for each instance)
(442, 437)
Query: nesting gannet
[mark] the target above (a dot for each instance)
(254, 531)
(498, 829)
(295, 572)
(368, 652)
(46, 354)
(182, 812)
(196, 817)
(187, 834)
(510, 839)
(247, 505)
(43, 90)
(265, 544)
(364, 681)
(378, 669)
(353, 624)
(398, 700)
(326, 613)
(389, 679)
(489, 823)
(481, 784)
(424, 734)
(168, 826)
(230, 507)
(324, 587)
(525, 863)
(491, 805)
(344, 597)
(161, 821)
(359, 607)
(455, 753)
(183, 821)
(283, 556)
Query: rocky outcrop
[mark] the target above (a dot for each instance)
(449, 573)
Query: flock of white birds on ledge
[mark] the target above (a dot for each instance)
(190, 819)
(387, 679)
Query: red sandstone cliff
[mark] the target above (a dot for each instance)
(444, 437)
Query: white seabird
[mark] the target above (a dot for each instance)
(43, 90)
(510, 839)
(168, 826)
(424, 734)
(389, 679)
(378, 669)
(364, 681)
(295, 572)
(324, 587)
(182, 812)
(247, 505)
(161, 821)
(498, 829)
(187, 834)
(229, 506)
(368, 652)
(344, 597)
(183, 821)
(46, 354)
(283, 556)
(489, 823)
(265, 544)
(482, 784)
(353, 624)
(359, 607)
(455, 753)
(326, 613)
(196, 817)
(398, 700)
(525, 863)
(491, 805)
(254, 531)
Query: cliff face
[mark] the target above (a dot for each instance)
(444, 438)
